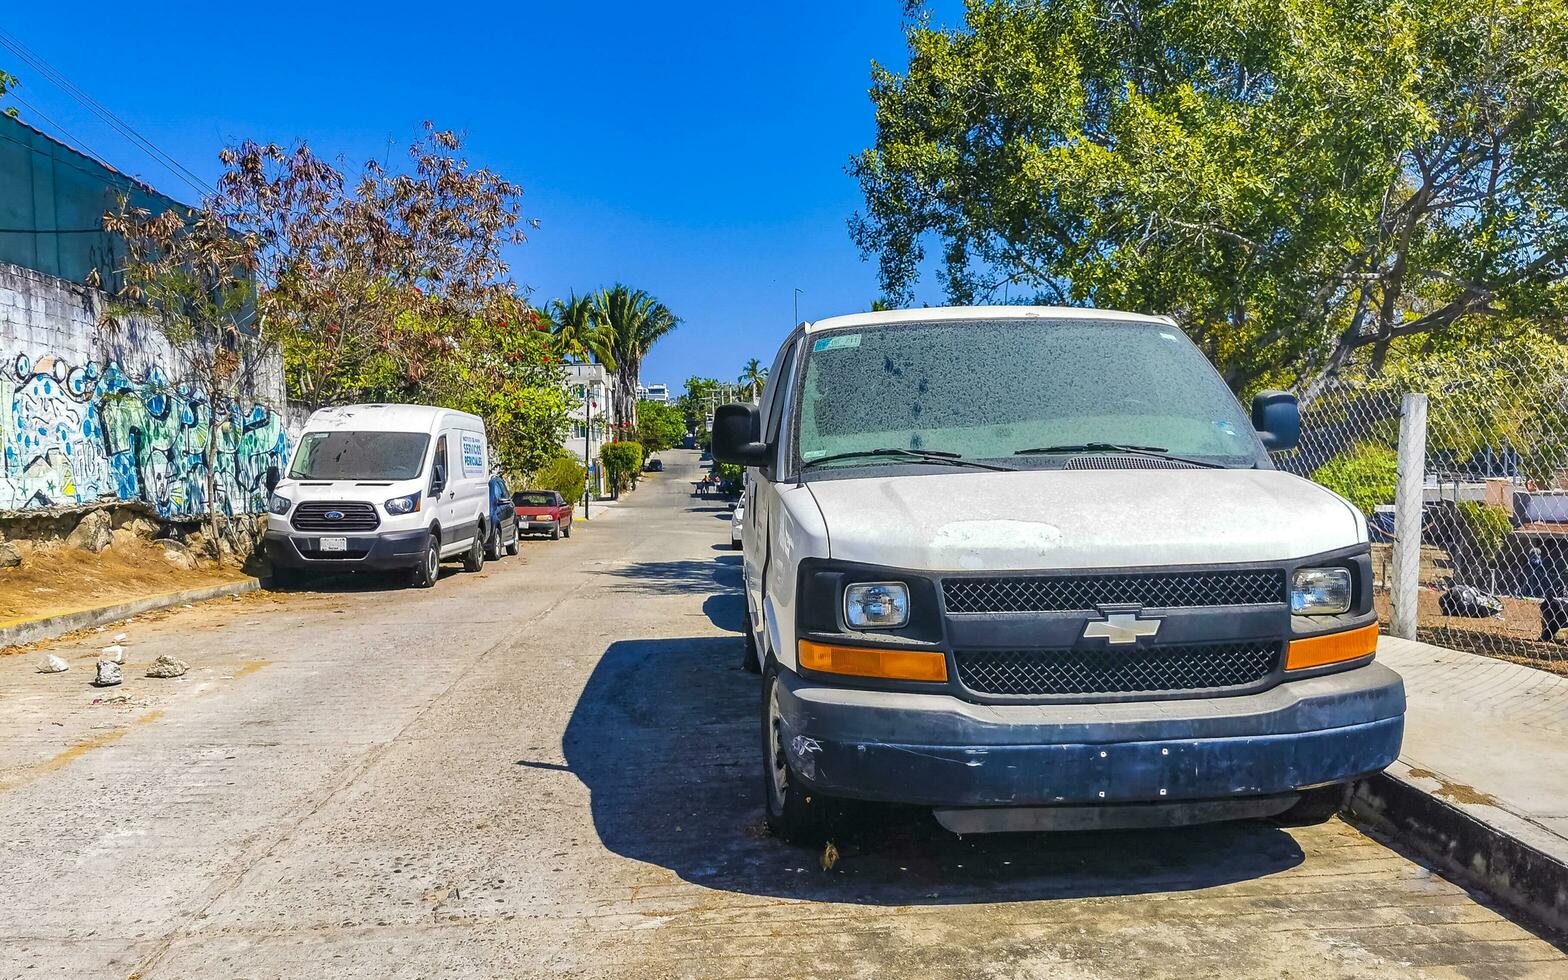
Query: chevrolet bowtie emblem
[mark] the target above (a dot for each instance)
(1122, 627)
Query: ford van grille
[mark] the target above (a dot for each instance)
(1083, 593)
(317, 517)
(1147, 670)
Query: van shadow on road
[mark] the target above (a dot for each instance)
(681, 577)
(665, 738)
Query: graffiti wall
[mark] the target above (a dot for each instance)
(104, 420)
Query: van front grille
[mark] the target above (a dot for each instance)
(354, 517)
(1145, 670)
(1084, 593)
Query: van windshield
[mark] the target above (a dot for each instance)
(994, 388)
(359, 456)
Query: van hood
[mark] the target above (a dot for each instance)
(1049, 519)
(373, 491)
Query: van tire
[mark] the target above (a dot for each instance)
(793, 814)
(1315, 806)
(474, 557)
(493, 546)
(749, 661)
(429, 567)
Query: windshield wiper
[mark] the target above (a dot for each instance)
(1158, 452)
(923, 455)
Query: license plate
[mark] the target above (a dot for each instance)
(334, 544)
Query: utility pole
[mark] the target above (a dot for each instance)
(587, 446)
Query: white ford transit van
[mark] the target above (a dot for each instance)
(1032, 567)
(382, 487)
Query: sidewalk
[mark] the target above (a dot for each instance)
(1486, 752)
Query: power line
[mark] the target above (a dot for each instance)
(109, 118)
(80, 145)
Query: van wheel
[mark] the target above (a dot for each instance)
(793, 812)
(493, 545)
(1315, 806)
(474, 557)
(749, 662)
(429, 567)
(511, 547)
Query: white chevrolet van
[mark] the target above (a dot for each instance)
(1033, 568)
(381, 487)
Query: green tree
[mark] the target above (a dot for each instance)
(8, 82)
(752, 377)
(578, 333)
(1486, 527)
(563, 474)
(1366, 474)
(634, 320)
(659, 426)
(694, 403)
(622, 464)
(1294, 181)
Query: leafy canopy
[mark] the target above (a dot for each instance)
(1294, 180)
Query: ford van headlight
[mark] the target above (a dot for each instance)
(876, 605)
(1320, 591)
(279, 504)
(403, 505)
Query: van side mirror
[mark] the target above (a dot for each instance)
(272, 477)
(737, 436)
(437, 479)
(1277, 419)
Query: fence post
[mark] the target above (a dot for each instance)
(1406, 586)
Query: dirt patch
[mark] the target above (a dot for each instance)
(1458, 792)
(56, 580)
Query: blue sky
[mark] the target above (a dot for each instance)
(695, 150)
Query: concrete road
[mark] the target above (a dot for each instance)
(549, 769)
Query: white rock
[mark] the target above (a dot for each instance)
(114, 654)
(167, 666)
(108, 674)
(52, 665)
(121, 637)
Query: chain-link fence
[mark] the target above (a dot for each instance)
(1493, 492)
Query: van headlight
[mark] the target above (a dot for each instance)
(1320, 591)
(279, 504)
(403, 505)
(876, 605)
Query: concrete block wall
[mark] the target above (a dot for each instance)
(91, 412)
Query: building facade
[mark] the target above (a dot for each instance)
(593, 417)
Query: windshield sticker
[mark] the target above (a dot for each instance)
(836, 343)
(1167, 336)
(473, 455)
(1225, 427)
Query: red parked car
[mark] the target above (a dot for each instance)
(543, 510)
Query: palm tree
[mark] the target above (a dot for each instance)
(753, 378)
(634, 320)
(578, 333)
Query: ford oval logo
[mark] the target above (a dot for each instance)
(333, 515)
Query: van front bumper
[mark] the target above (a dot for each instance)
(378, 552)
(937, 750)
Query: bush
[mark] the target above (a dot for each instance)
(659, 426)
(731, 477)
(1487, 527)
(563, 474)
(622, 464)
(1366, 474)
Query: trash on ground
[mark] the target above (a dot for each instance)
(108, 674)
(829, 856)
(1467, 600)
(52, 665)
(121, 637)
(114, 654)
(167, 666)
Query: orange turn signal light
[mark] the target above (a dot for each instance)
(902, 665)
(1333, 648)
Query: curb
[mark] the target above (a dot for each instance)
(53, 626)
(1491, 855)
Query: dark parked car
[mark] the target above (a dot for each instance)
(502, 535)
(654, 466)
